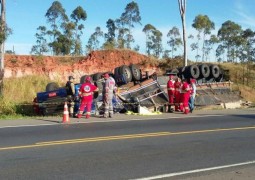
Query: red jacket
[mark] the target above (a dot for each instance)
(86, 90)
(170, 87)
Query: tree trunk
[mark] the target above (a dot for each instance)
(2, 46)
(182, 8)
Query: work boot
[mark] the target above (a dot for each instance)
(87, 116)
(79, 116)
(186, 111)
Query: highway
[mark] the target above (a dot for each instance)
(167, 148)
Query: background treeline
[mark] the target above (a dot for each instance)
(232, 43)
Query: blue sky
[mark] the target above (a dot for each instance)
(24, 16)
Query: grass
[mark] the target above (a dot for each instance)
(19, 93)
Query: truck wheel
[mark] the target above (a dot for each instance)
(52, 86)
(97, 76)
(204, 71)
(83, 78)
(135, 71)
(215, 71)
(192, 71)
(126, 72)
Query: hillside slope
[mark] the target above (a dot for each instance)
(59, 67)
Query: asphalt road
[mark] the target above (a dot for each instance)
(201, 146)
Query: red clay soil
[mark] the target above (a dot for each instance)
(60, 67)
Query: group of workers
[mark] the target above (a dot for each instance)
(181, 94)
(86, 93)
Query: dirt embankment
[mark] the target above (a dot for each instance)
(59, 67)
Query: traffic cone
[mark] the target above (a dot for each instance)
(66, 118)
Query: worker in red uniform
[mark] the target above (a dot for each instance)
(177, 87)
(171, 92)
(86, 94)
(185, 95)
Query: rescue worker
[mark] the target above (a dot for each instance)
(70, 88)
(192, 94)
(86, 94)
(177, 87)
(185, 95)
(170, 91)
(109, 89)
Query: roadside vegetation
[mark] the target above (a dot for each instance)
(19, 93)
(18, 96)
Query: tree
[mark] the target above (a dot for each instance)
(148, 30)
(93, 42)
(110, 35)
(229, 34)
(157, 43)
(4, 33)
(175, 39)
(56, 17)
(41, 42)
(77, 15)
(127, 21)
(203, 25)
(182, 9)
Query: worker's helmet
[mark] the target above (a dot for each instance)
(88, 79)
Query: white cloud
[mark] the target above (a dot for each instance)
(245, 16)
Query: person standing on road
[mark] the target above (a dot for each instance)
(178, 86)
(109, 89)
(185, 95)
(70, 89)
(192, 94)
(86, 93)
(171, 92)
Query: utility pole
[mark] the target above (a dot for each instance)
(2, 29)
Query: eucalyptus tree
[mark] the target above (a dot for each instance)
(174, 39)
(94, 40)
(157, 43)
(229, 34)
(195, 47)
(148, 30)
(209, 45)
(78, 14)
(247, 53)
(110, 41)
(220, 51)
(182, 8)
(127, 21)
(41, 46)
(56, 16)
(203, 25)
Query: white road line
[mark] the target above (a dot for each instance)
(195, 171)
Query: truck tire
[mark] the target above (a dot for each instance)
(52, 86)
(135, 71)
(191, 72)
(175, 71)
(125, 70)
(83, 78)
(204, 71)
(215, 71)
(97, 76)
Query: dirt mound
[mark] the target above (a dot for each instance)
(59, 67)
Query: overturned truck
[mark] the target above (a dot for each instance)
(137, 88)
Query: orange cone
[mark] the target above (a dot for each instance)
(66, 118)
